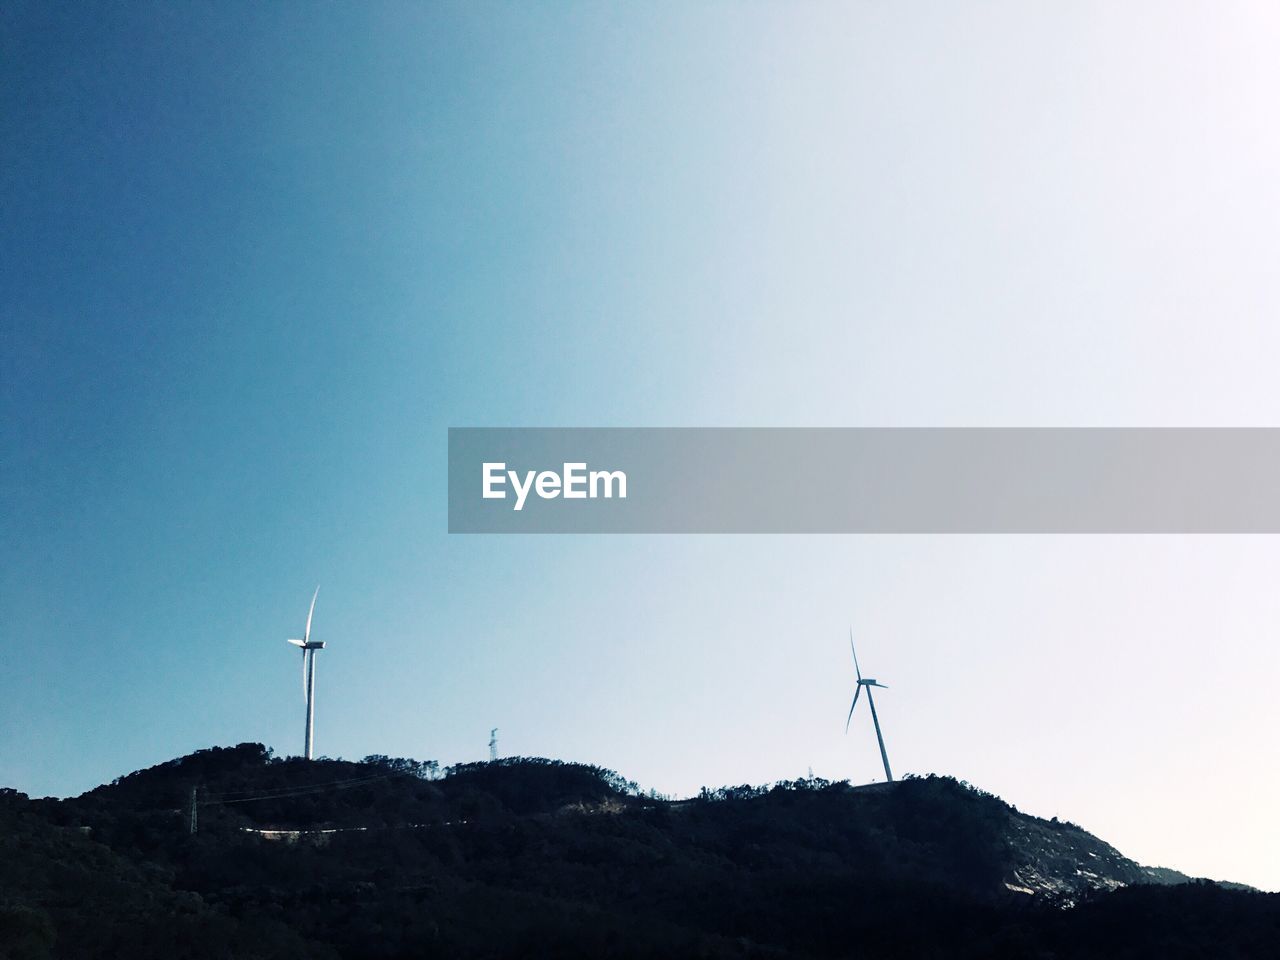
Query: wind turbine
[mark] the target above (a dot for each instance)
(871, 700)
(309, 648)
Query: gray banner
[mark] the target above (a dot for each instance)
(714, 480)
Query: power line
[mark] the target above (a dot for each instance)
(262, 791)
(283, 793)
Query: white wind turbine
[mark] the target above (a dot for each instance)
(309, 648)
(871, 700)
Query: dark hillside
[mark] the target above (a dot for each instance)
(63, 894)
(386, 858)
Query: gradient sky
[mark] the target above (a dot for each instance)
(257, 258)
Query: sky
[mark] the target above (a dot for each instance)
(257, 259)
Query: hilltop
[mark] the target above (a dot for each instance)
(388, 858)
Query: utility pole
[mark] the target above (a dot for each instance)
(193, 811)
(493, 744)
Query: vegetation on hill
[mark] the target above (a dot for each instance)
(63, 894)
(390, 858)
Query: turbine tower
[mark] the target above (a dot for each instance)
(309, 648)
(493, 744)
(888, 775)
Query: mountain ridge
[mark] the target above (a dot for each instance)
(392, 857)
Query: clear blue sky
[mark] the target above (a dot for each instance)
(257, 258)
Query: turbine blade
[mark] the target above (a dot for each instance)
(856, 668)
(304, 676)
(849, 719)
(310, 613)
(296, 643)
